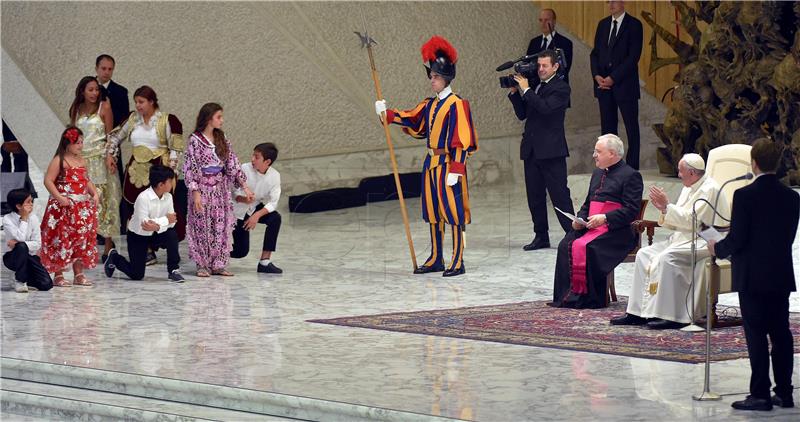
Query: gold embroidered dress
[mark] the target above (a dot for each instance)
(107, 184)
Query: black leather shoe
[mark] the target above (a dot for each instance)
(663, 324)
(108, 265)
(425, 269)
(269, 269)
(752, 403)
(450, 273)
(782, 401)
(539, 242)
(628, 319)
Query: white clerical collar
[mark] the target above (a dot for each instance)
(445, 92)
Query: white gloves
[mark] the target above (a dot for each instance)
(380, 107)
(452, 178)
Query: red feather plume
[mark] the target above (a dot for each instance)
(438, 44)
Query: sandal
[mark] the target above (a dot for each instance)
(223, 272)
(60, 281)
(202, 272)
(81, 280)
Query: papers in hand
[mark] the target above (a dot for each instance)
(710, 234)
(572, 217)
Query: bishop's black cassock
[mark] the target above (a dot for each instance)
(585, 257)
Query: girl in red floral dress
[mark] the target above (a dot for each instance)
(69, 225)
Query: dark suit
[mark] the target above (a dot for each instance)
(544, 150)
(620, 61)
(120, 107)
(559, 41)
(763, 227)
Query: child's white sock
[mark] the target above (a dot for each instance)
(264, 262)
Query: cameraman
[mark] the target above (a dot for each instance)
(544, 145)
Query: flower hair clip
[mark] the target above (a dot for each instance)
(72, 135)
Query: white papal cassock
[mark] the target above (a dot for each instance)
(662, 276)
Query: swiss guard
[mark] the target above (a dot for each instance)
(445, 121)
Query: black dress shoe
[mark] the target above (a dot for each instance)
(108, 264)
(782, 401)
(425, 269)
(752, 403)
(539, 242)
(458, 271)
(269, 269)
(663, 324)
(628, 319)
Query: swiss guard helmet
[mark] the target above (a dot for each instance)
(439, 56)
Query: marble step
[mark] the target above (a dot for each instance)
(29, 401)
(260, 403)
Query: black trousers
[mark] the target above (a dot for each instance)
(551, 176)
(27, 268)
(766, 314)
(241, 237)
(630, 116)
(137, 250)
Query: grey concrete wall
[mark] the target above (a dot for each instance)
(293, 72)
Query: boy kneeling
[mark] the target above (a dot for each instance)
(265, 183)
(152, 224)
(22, 238)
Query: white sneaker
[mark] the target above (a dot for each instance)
(21, 287)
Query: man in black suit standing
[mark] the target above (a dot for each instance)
(116, 93)
(551, 40)
(614, 61)
(763, 227)
(544, 145)
(120, 108)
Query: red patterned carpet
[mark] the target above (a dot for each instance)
(536, 324)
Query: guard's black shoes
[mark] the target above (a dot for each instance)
(628, 319)
(457, 271)
(425, 269)
(752, 403)
(269, 269)
(539, 242)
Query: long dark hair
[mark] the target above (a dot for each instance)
(203, 117)
(64, 143)
(80, 99)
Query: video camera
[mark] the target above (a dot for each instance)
(528, 67)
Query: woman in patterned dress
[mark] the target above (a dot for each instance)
(69, 225)
(91, 113)
(211, 170)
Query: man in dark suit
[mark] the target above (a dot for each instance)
(763, 227)
(614, 61)
(120, 108)
(551, 40)
(544, 145)
(116, 93)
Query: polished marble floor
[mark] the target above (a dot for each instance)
(250, 330)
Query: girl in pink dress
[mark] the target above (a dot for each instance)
(211, 170)
(69, 225)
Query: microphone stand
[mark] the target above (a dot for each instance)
(707, 394)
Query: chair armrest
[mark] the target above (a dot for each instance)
(646, 225)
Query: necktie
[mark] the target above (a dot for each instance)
(613, 38)
(541, 84)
